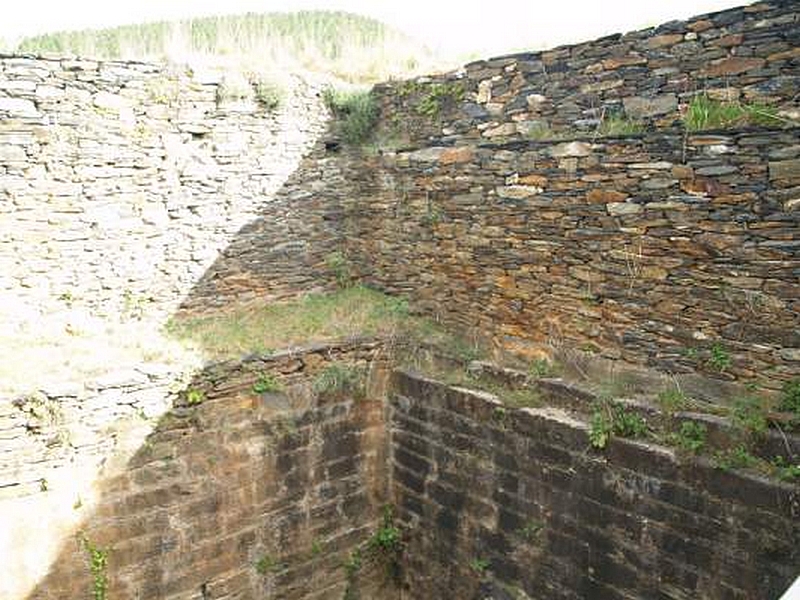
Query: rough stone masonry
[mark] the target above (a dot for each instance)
(504, 211)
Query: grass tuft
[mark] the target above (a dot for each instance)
(706, 113)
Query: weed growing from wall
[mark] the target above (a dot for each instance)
(341, 378)
(194, 397)
(356, 114)
(98, 565)
(704, 113)
(270, 96)
(609, 418)
(720, 358)
(690, 437)
(790, 398)
(338, 264)
(267, 383)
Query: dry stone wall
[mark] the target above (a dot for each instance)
(748, 53)
(510, 504)
(671, 248)
(120, 182)
(244, 493)
(651, 249)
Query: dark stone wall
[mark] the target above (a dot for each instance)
(651, 249)
(748, 53)
(507, 504)
(246, 494)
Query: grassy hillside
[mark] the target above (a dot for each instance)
(351, 47)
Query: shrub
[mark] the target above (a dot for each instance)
(357, 113)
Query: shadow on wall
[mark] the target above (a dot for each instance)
(285, 252)
(254, 483)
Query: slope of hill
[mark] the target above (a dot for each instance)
(351, 47)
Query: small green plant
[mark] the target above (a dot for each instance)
(691, 354)
(790, 398)
(437, 96)
(269, 95)
(353, 564)
(194, 397)
(267, 383)
(691, 436)
(340, 378)
(600, 429)
(340, 267)
(615, 124)
(316, 548)
(749, 414)
(67, 298)
(609, 418)
(532, 529)
(541, 368)
(356, 112)
(673, 400)
(785, 470)
(704, 112)
(266, 564)
(738, 457)
(499, 416)
(479, 565)
(386, 539)
(98, 566)
(720, 358)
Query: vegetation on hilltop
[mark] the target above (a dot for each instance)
(352, 47)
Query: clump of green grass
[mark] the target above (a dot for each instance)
(541, 368)
(720, 358)
(706, 113)
(356, 112)
(532, 529)
(615, 124)
(269, 95)
(341, 268)
(673, 400)
(437, 96)
(346, 313)
(341, 378)
(267, 383)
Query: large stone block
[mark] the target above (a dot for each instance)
(638, 107)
